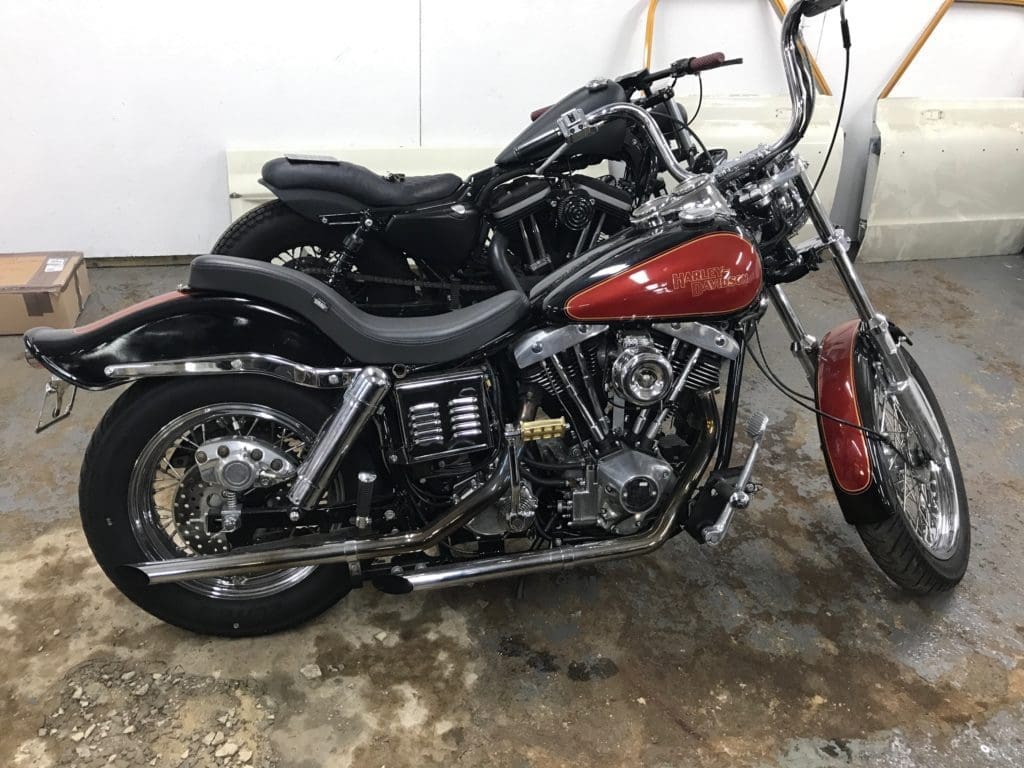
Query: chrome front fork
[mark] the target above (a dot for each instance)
(902, 383)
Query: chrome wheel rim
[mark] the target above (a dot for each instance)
(165, 478)
(922, 490)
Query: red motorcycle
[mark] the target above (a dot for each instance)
(280, 446)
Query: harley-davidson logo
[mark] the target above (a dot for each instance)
(700, 281)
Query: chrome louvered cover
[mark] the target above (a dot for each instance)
(443, 415)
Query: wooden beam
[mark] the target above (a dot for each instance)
(915, 48)
(1018, 3)
(927, 32)
(652, 7)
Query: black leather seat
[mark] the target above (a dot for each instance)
(367, 338)
(358, 182)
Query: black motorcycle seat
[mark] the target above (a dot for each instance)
(358, 182)
(367, 338)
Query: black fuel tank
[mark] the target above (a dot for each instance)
(605, 143)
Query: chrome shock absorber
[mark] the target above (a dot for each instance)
(337, 437)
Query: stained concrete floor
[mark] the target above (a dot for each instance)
(783, 647)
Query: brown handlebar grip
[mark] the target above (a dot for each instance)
(538, 112)
(701, 63)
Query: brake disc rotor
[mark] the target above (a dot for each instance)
(194, 502)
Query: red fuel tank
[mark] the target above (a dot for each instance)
(715, 274)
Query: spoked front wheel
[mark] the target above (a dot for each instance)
(924, 543)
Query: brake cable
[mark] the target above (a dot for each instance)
(793, 395)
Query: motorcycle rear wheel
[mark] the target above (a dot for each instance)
(125, 525)
(275, 234)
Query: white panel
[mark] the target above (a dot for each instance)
(116, 113)
(974, 52)
(736, 124)
(949, 181)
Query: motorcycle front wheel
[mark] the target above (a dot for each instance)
(142, 498)
(924, 542)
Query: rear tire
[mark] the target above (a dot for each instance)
(275, 234)
(105, 493)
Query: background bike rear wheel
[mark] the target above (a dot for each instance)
(275, 234)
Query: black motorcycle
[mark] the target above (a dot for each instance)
(281, 446)
(417, 245)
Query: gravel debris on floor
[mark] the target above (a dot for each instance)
(112, 716)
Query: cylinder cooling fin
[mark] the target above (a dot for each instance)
(518, 201)
(706, 374)
(551, 220)
(636, 378)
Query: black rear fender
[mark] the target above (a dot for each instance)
(190, 333)
(316, 204)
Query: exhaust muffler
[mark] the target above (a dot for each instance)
(320, 550)
(522, 564)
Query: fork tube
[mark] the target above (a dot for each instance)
(902, 383)
(732, 404)
(836, 243)
(804, 345)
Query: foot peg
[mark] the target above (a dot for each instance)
(739, 498)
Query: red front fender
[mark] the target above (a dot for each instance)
(845, 389)
(846, 448)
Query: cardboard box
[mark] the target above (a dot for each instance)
(47, 288)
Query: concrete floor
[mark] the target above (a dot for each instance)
(785, 646)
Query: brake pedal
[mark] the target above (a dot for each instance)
(756, 427)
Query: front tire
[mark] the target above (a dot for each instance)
(123, 530)
(924, 544)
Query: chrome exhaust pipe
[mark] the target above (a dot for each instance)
(338, 435)
(320, 550)
(503, 566)
(522, 564)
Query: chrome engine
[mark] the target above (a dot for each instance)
(621, 491)
(621, 392)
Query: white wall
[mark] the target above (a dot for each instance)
(117, 114)
(974, 53)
